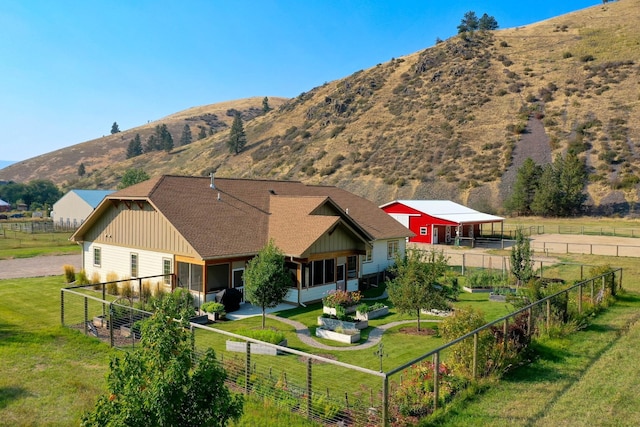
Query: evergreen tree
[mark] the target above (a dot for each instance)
(186, 137)
(265, 105)
(525, 188)
(114, 128)
(151, 144)
(203, 132)
(469, 23)
(572, 179)
(522, 258)
(546, 199)
(165, 138)
(81, 170)
(487, 23)
(135, 147)
(237, 137)
(266, 279)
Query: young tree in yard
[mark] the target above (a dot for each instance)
(237, 137)
(522, 258)
(266, 279)
(132, 176)
(415, 286)
(162, 382)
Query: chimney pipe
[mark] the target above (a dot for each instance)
(212, 185)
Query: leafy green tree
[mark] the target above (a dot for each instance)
(81, 170)
(40, 192)
(267, 279)
(265, 105)
(525, 188)
(134, 148)
(237, 138)
(162, 382)
(522, 259)
(487, 23)
(131, 177)
(114, 128)
(186, 137)
(415, 286)
(469, 23)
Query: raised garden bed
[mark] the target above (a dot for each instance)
(334, 324)
(331, 311)
(241, 347)
(200, 320)
(476, 290)
(373, 314)
(349, 337)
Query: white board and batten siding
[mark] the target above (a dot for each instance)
(316, 293)
(116, 259)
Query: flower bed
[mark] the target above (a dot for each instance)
(346, 336)
(332, 311)
(333, 324)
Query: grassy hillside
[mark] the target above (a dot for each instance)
(453, 121)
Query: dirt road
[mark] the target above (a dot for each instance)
(38, 266)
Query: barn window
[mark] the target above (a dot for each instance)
(392, 249)
(424, 231)
(97, 257)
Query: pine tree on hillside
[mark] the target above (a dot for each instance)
(81, 170)
(469, 23)
(114, 128)
(186, 137)
(525, 188)
(135, 147)
(166, 140)
(487, 23)
(203, 132)
(237, 137)
(265, 105)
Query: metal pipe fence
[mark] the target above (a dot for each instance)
(326, 390)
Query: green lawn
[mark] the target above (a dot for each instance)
(16, 244)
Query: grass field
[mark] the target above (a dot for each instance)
(51, 374)
(16, 244)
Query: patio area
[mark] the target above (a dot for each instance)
(249, 310)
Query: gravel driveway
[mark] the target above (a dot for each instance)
(38, 266)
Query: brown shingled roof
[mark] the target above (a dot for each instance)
(239, 216)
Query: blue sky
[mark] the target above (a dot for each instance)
(69, 69)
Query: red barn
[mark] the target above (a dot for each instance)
(439, 221)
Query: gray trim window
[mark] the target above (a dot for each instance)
(393, 246)
(97, 257)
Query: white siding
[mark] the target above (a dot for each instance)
(117, 259)
(70, 210)
(401, 218)
(379, 261)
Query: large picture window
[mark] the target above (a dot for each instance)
(322, 271)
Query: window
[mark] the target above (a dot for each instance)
(352, 266)
(329, 270)
(134, 265)
(166, 270)
(423, 231)
(97, 257)
(368, 257)
(317, 273)
(392, 249)
(323, 271)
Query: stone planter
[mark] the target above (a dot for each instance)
(348, 338)
(372, 314)
(334, 324)
(331, 311)
(241, 347)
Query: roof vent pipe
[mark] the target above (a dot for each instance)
(347, 211)
(212, 185)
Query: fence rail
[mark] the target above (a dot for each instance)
(322, 389)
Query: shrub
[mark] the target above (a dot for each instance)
(213, 307)
(95, 277)
(126, 290)
(567, 55)
(112, 288)
(587, 58)
(341, 298)
(82, 278)
(267, 335)
(69, 273)
(145, 291)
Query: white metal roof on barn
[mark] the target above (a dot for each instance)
(448, 210)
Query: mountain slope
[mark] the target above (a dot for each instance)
(453, 121)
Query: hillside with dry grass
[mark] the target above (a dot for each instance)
(453, 121)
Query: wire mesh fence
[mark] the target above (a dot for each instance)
(333, 392)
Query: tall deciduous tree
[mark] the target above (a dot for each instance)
(415, 286)
(114, 128)
(237, 137)
(131, 177)
(162, 383)
(267, 279)
(186, 137)
(522, 258)
(135, 147)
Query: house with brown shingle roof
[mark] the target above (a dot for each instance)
(202, 232)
